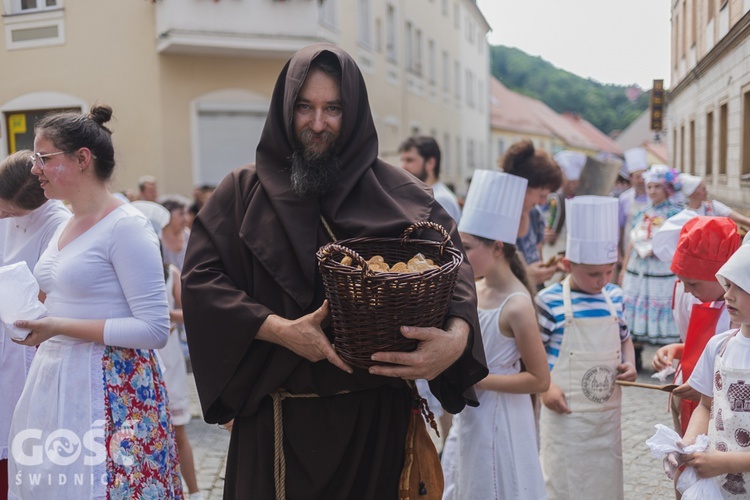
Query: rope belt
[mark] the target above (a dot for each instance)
(279, 462)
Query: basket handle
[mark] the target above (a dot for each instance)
(431, 225)
(332, 248)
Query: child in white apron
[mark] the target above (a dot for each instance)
(721, 377)
(704, 245)
(588, 348)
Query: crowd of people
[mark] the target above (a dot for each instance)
(95, 392)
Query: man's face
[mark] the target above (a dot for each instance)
(149, 192)
(317, 126)
(636, 179)
(413, 163)
(318, 114)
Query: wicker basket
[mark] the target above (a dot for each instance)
(369, 307)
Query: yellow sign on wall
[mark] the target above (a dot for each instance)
(16, 125)
(657, 105)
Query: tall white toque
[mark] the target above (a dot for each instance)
(635, 159)
(592, 229)
(572, 163)
(493, 206)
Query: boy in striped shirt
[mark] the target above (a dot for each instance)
(588, 348)
(551, 314)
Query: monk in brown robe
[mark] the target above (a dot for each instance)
(254, 306)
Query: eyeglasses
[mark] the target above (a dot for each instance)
(38, 158)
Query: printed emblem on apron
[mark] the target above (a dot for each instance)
(598, 383)
(739, 396)
(742, 437)
(730, 419)
(735, 484)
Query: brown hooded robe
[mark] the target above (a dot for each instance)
(251, 254)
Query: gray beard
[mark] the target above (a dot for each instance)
(314, 174)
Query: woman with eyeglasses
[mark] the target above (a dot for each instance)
(27, 222)
(92, 421)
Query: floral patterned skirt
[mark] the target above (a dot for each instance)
(647, 289)
(143, 455)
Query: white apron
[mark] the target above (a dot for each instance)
(581, 453)
(729, 426)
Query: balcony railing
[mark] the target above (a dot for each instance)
(262, 28)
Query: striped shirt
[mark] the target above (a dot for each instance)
(551, 314)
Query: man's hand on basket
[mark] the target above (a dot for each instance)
(437, 350)
(303, 336)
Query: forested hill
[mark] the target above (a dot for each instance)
(606, 106)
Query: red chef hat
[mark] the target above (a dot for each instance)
(705, 244)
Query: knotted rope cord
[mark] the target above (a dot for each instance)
(279, 462)
(422, 406)
(328, 228)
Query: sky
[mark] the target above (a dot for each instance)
(611, 41)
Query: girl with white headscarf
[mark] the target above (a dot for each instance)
(694, 189)
(647, 282)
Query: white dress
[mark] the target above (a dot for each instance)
(21, 239)
(492, 450)
(175, 368)
(92, 420)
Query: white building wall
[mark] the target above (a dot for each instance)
(723, 83)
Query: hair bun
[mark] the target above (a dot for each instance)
(100, 113)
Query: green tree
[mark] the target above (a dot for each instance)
(606, 106)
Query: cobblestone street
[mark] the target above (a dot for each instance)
(642, 409)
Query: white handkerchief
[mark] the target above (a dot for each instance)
(19, 298)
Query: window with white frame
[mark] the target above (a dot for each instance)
(418, 52)
(390, 37)
(32, 30)
(408, 51)
(327, 13)
(378, 34)
(364, 23)
(459, 160)
(469, 88)
(446, 71)
(28, 6)
(456, 16)
(481, 98)
(447, 161)
(431, 61)
(457, 75)
(445, 7)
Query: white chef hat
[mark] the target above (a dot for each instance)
(666, 237)
(737, 269)
(635, 159)
(493, 206)
(156, 214)
(572, 163)
(592, 229)
(689, 183)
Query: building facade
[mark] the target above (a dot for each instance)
(190, 81)
(708, 116)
